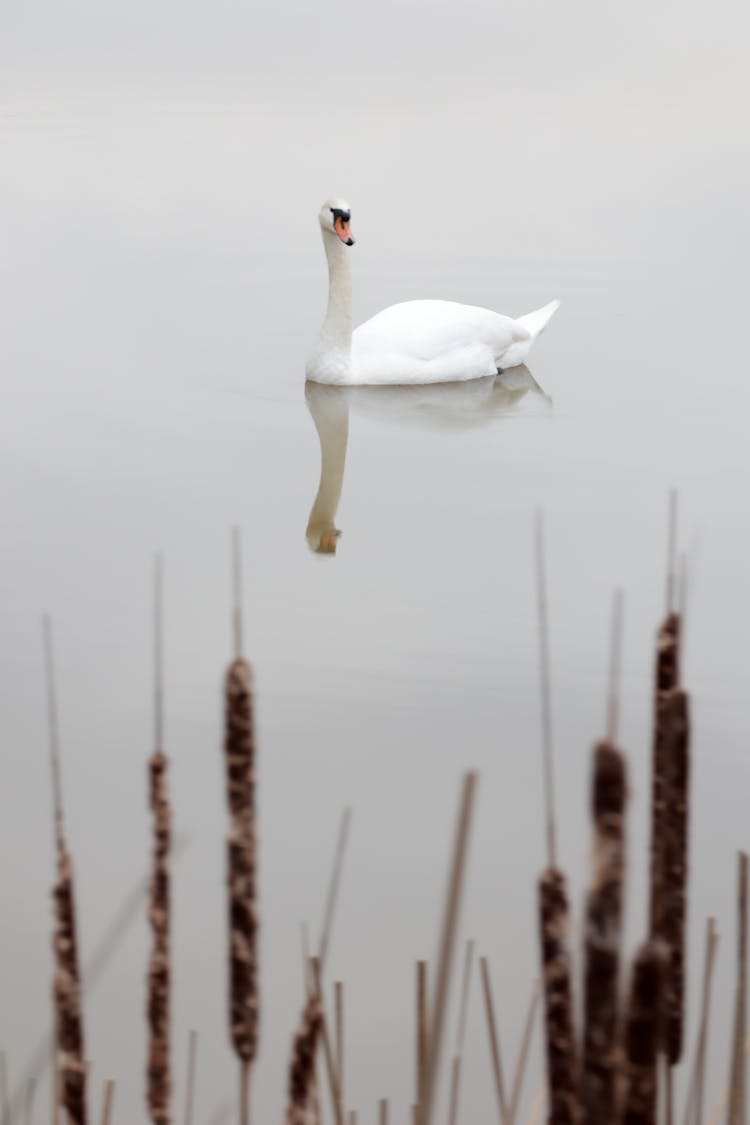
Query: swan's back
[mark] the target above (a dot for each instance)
(432, 341)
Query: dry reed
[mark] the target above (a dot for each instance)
(4, 1104)
(602, 938)
(494, 1041)
(383, 1111)
(642, 1035)
(460, 1035)
(737, 1083)
(523, 1055)
(696, 1096)
(447, 941)
(108, 1101)
(190, 1085)
(422, 1032)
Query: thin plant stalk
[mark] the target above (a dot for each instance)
(383, 1111)
(461, 1034)
(108, 1101)
(523, 1055)
(30, 1090)
(422, 1031)
(333, 1081)
(338, 989)
(696, 1098)
(447, 943)
(334, 886)
(737, 1084)
(190, 1086)
(4, 1105)
(494, 1042)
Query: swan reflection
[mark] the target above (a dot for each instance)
(447, 406)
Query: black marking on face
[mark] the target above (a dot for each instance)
(338, 213)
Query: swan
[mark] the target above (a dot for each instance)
(415, 341)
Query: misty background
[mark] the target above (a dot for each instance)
(161, 282)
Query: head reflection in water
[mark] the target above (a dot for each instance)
(439, 406)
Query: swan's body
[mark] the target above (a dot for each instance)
(413, 342)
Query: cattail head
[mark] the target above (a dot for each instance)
(239, 750)
(675, 870)
(158, 1078)
(562, 1062)
(67, 993)
(302, 1065)
(643, 1034)
(602, 937)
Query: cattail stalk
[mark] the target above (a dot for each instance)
(4, 1106)
(447, 943)
(30, 1090)
(736, 1113)
(520, 1071)
(494, 1041)
(67, 981)
(108, 1101)
(602, 938)
(461, 1035)
(239, 753)
(191, 1065)
(642, 1035)
(158, 1075)
(422, 1031)
(338, 990)
(383, 1111)
(696, 1097)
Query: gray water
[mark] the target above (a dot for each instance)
(161, 281)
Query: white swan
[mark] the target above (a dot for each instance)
(413, 342)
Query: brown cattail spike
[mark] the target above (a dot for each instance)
(677, 775)
(158, 1074)
(666, 680)
(642, 1035)
(562, 1063)
(239, 748)
(302, 1065)
(602, 937)
(67, 981)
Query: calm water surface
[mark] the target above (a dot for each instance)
(153, 396)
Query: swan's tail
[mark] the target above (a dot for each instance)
(534, 324)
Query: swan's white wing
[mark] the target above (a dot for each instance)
(432, 341)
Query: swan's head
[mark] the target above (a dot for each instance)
(335, 215)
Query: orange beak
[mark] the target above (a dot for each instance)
(341, 226)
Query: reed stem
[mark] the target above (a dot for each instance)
(494, 1041)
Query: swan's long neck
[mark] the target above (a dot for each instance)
(336, 333)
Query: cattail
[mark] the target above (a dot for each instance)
(602, 937)
(158, 1077)
(302, 1065)
(675, 870)
(67, 981)
(562, 1063)
(158, 1090)
(666, 680)
(738, 1082)
(239, 747)
(642, 1035)
(239, 753)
